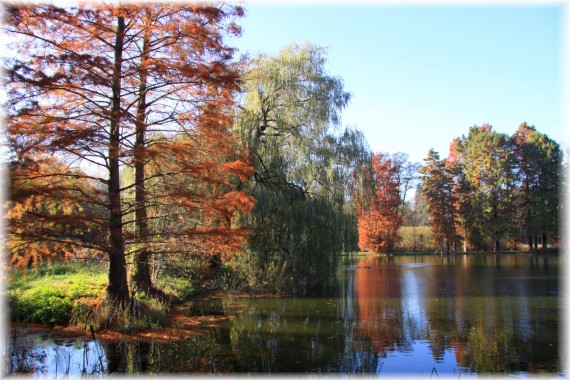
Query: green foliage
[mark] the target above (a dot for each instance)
(538, 161)
(248, 274)
(296, 237)
(488, 167)
(181, 288)
(153, 313)
(64, 294)
(304, 169)
(437, 188)
(41, 304)
(56, 294)
(494, 188)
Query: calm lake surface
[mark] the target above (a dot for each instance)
(412, 315)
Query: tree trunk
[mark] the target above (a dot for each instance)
(528, 216)
(142, 277)
(529, 241)
(117, 290)
(544, 241)
(497, 246)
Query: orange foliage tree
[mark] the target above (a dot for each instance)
(106, 88)
(51, 209)
(185, 88)
(379, 215)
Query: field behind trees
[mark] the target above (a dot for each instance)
(416, 239)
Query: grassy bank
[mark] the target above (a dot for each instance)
(59, 294)
(70, 293)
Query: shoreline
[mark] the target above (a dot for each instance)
(178, 327)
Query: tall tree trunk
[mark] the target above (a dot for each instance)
(142, 277)
(117, 290)
(497, 244)
(544, 241)
(528, 215)
(529, 241)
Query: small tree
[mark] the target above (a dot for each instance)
(378, 215)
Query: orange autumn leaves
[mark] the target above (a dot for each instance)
(158, 103)
(51, 206)
(378, 211)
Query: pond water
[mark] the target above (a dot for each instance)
(413, 315)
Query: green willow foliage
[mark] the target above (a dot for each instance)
(304, 163)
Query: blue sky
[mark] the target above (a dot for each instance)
(421, 75)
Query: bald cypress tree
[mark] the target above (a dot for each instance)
(102, 88)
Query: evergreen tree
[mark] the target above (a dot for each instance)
(437, 188)
(538, 162)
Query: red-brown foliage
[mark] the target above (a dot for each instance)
(105, 88)
(378, 210)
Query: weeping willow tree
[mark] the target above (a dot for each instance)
(304, 162)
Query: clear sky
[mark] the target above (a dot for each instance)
(421, 75)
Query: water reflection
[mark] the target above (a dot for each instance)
(416, 315)
(40, 355)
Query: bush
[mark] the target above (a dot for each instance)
(56, 294)
(41, 304)
(154, 312)
(245, 274)
(181, 288)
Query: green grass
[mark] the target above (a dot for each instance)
(57, 294)
(64, 293)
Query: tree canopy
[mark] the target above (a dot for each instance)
(493, 187)
(289, 120)
(102, 88)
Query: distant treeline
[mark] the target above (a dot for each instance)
(493, 187)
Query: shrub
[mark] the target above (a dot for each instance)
(154, 312)
(41, 304)
(246, 275)
(56, 294)
(181, 288)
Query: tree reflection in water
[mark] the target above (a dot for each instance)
(199, 354)
(39, 354)
(490, 316)
(416, 315)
